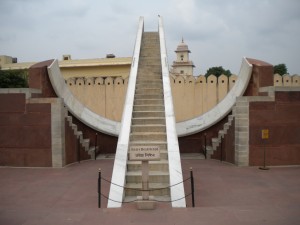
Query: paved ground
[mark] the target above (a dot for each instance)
(225, 194)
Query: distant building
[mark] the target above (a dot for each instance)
(182, 65)
(110, 66)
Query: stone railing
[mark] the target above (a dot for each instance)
(287, 80)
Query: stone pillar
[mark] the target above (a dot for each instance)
(241, 113)
(58, 132)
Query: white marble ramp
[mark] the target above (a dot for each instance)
(116, 192)
(148, 121)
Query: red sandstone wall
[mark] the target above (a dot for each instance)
(25, 138)
(39, 79)
(262, 76)
(282, 118)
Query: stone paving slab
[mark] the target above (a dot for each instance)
(225, 194)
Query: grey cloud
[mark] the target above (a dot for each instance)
(218, 32)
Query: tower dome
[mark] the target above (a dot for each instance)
(182, 47)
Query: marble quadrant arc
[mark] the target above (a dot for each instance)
(217, 113)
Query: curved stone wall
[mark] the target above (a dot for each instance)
(102, 124)
(220, 110)
(79, 110)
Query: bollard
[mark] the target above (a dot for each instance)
(192, 187)
(264, 166)
(96, 145)
(99, 188)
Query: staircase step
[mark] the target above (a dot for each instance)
(161, 144)
(148, 96)
(148, 136)
(148, 85)
(148, 102)
(148, 107)
(155, 82)
(69, 119)
(85, 143)
(143, 70)
(215, 143)
(209, 151)
(226, 126)
(159, 189)
(78, 134)
(222, 133)
(163, 198)
(140, 114)
(154, 177)
(149, 91)
(148, 121)
(148, 128)
(153, 165)
(150, 54)
(151, 59)
(150, 77)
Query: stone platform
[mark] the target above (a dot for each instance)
(225, 194)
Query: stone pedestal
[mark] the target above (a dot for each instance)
(145, 204)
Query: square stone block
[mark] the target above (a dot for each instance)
(145, 204)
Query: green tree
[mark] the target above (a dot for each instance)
(13, 79)
(280, 69)
(217, 71)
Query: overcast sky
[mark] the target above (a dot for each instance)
(218, 32)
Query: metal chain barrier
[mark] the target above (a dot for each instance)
(151, 189)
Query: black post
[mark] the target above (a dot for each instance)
(221, 148)
(78, 150)
(192, 187)
(96, 146)
(205, 145)
(264, 167)
(99, 188)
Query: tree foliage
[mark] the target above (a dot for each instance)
(280, 69)
(217, 71)
(13, 79)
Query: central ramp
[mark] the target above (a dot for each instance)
(148, 120)
(148, 126)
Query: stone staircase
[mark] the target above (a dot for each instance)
(85, 143)
(217, 140)
(240, 113)
(148, 127)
